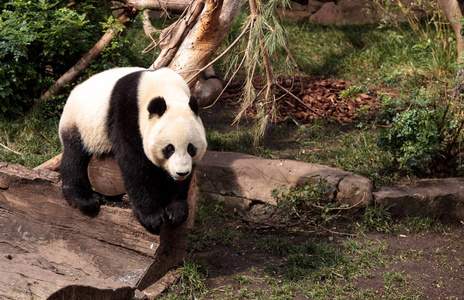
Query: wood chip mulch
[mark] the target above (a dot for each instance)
(320, 96)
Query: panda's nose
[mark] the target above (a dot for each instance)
(182, 174)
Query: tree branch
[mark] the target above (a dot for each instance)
(9, 149)
(173, 6)
(225, 51)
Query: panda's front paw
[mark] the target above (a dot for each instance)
(153, 221)
(177, 212)
(91, 205)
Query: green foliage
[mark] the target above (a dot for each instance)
(310, 202)
(310, 259)
(426, 135)
(41, 40)
(377, 218)
(354, 91)
(191, 282)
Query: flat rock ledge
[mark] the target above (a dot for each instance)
(441, 198)
(241, 180)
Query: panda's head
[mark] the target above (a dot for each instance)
(174, 136)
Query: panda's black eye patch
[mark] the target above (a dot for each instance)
(168, 151)
(192, 150)
(157, 106)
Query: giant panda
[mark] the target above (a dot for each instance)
(149, 121)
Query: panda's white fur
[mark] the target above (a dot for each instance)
(87, 108)
(100, 117)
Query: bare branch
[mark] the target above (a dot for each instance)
(289, 54)
(299, 100)
(11, 150)
(148, 28)
(173, 6)
(225, 87)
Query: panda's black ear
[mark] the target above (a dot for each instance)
(157, 106)
(193, 103)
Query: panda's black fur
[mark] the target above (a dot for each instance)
(163, 197)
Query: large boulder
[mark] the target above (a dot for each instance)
(346, 12)
(240, 179)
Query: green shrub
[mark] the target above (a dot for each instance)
(41, 40)
(426, 135)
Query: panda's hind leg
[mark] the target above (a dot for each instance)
(75, 181)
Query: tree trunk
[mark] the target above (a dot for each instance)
(454, 12)
(148, 28)
(200, 43)
(52, 251)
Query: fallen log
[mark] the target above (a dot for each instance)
(50, 250)
(52, 164)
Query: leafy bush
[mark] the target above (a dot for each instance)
(41, 40)
(426, 135)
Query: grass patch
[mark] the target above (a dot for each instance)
(378, 219)
(34, 138)
(417, 224)
(191, 282)
(390, 56)
(394, 58)
(345, 147)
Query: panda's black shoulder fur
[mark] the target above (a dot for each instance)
(123, 114)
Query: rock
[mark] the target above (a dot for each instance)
(241, 179)
(346, 12)
(434, 197)
(232, 202)
(299, 11)
(356, 190)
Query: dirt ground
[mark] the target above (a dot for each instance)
(427, 265)
(403, 264)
